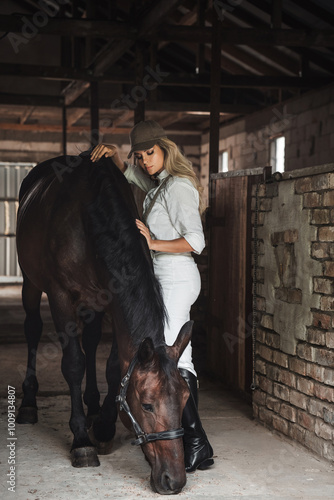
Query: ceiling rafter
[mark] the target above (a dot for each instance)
(316, 10)
(70, 27)
(251, 20)
(172, 80)
(112, 53)
(236, 36)
(256, 60)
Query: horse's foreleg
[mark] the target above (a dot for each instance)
(91, 337)
(33, 325)
(104, 427)
(83, 453)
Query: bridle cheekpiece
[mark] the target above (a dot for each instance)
(141, 436)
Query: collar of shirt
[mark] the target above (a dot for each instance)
(162, 175)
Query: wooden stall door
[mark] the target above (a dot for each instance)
(230, 282)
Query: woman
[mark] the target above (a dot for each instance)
(173, 230)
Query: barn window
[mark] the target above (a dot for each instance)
(277, 154)
(223, 162)
(11, 176)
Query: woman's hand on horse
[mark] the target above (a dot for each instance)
(145, 232)
(109, 151)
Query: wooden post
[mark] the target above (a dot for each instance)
(215, 95)
(276, 14)
(139, 92)
(214, 142)
(94, 114)
(91, 9)
(304, 63)
(153, 63)
(200, 56)
(64, 131)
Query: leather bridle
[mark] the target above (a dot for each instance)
(142, 437)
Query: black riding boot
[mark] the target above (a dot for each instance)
(197, 449)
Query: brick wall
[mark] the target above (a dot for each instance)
(306, 121)
(295, 334)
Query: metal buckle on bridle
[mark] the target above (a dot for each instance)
(141, 436)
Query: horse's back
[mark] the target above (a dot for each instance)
(53, 229)
(40, 171)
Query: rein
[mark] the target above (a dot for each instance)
(154, 199)
(142, 437)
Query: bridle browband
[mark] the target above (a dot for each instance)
(142, 437)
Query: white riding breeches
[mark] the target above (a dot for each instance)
(180, 280)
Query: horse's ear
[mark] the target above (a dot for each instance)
(183, 339)
(146, 351)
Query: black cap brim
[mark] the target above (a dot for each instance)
(143, 146)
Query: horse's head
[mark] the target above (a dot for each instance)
(156, 396)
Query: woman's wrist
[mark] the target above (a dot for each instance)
(179, 245)
(154, 245)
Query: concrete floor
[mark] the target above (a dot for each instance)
(250, 461)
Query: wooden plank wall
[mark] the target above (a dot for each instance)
(230, 283)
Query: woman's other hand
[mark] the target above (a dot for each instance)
(179, 245)
(109, 151)
(145, 232)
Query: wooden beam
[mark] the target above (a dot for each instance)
(176, 107)
(316, 10)
(171, 118)
(62, 73)
(250, 61)
(173, 80)
(68, 27)
(272, 53)
(73, 91)
(168, 106)
(110, 55)
(73, 115)
(127, 115)
(45, 127)
(199, 34)
(147, 22)
(31, 100)
(42, 127)
(249, 36)
(26, 114)
(151, 21)
(179, 33)
(287, 18)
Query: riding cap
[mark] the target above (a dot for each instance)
(144, 135)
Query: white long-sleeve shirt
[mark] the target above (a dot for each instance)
(175, 212)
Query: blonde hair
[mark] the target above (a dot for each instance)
(178, 165)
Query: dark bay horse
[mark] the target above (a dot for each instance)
(78, 242)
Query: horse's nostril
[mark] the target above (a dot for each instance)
(166, 481)
(169, 484)
(166, 485)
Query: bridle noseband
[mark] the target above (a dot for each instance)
(142, 437)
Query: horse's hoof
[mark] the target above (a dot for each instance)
(27, 415)
(103, 447)
(85, 457)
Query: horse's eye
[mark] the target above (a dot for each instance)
(147, 407)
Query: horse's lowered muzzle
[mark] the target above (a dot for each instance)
(167, 485)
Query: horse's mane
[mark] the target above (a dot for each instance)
(120, 246)
(109, 212)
